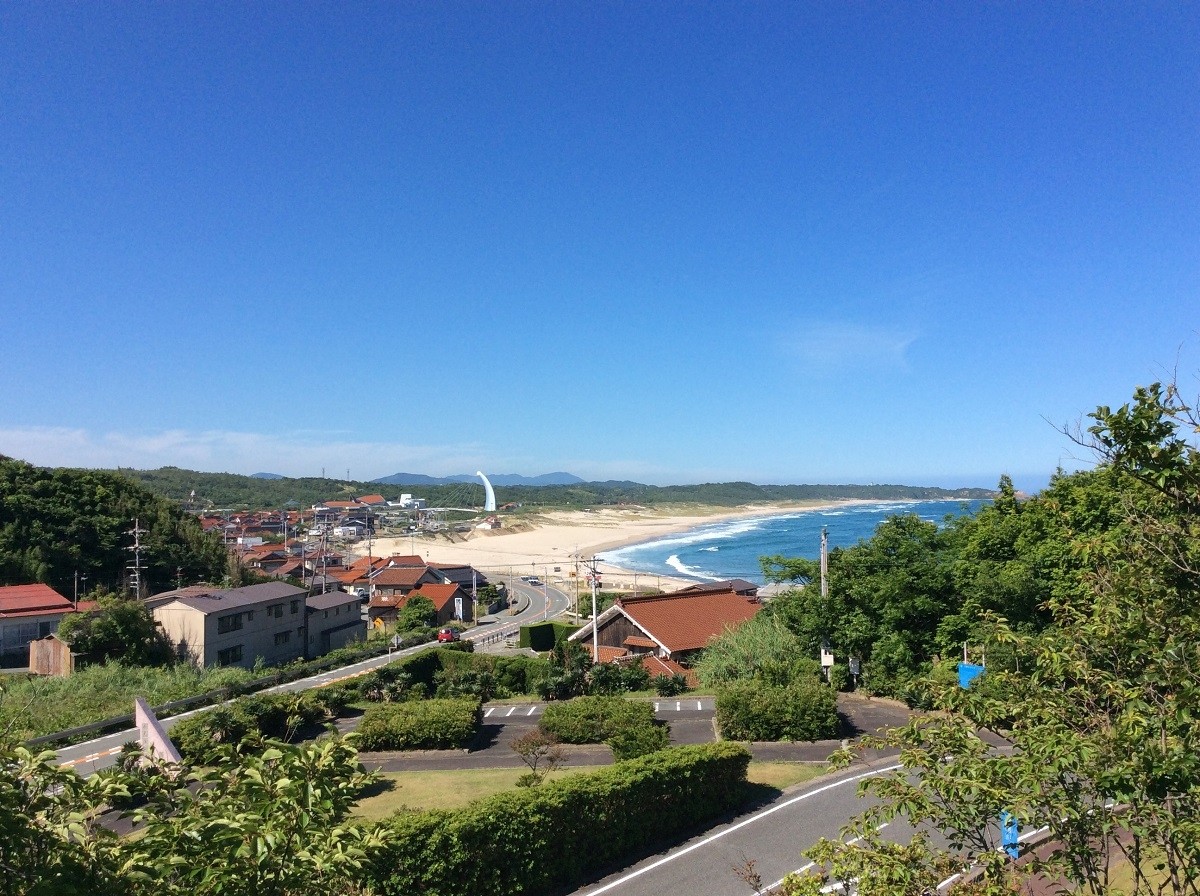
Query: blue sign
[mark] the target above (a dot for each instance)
(1009, 834)
(967, 673)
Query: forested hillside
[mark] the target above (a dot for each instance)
(226, 490)
(55, 523)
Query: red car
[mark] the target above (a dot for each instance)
(448, 634)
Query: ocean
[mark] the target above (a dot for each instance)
(730, 549)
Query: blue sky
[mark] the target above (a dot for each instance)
(670, 242)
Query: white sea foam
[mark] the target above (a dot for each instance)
(713, 548)
(683, 569)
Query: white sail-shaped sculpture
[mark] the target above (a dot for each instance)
(489, 501)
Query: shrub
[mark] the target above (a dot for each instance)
(424, 725)
(562, 832)
(753, 710)
(593, 720)
(638, 740)
(670, 685)
(840, 678)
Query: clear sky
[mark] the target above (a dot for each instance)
(663, 241)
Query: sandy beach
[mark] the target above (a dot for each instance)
(556, 544)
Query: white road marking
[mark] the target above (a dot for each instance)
(741, 824)
(827, 889)
(531, 709)
(511, 710)
(491, 709)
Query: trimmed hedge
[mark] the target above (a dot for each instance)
(420, 725)
(542, 636)
(541, 839)
(593, 720)
(751, 709)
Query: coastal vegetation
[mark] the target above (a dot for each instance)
(230, 491)
(63, 526)
(1085, 600)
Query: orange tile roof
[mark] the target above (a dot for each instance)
(439, 594)
(639, 641)
(607, 654)
(689, 620)
(658, 666)
(372, 499)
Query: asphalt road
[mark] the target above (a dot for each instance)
(773, 838)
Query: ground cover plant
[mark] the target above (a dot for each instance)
(35, 706)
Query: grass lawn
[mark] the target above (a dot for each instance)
(455, 789)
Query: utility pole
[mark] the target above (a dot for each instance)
(135, 568)
(824, 562)
(595, 629)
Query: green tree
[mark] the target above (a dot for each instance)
(120, 628)
(1103, 718)
(417, 612)
(271, 821)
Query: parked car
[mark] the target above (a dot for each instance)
(448, 634)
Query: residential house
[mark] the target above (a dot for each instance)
(460, 574)
(334, 620)
(665, 632)
(450, 602)
(235, 627)
(28, 612)
(390, 587)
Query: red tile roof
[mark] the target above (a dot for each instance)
(439, 594)
(658, 666)
(607, 654)
(400, 576)
(372, 499)
(32, 600)
(689, 620)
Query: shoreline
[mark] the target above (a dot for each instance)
(554, 546)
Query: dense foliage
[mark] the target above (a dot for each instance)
(549, 838)
(593, 720)
(916, 591)
(1097, 690)
(435, 724)
(281, 716)
(225, 490)
(268, 822)
(804, 709)
(56, 523)
(118, 629)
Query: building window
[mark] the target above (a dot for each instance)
(230, 623)
(230, 655)
(295, 606)
(277, 611)
(282, 638)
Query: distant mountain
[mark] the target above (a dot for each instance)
(496, 479)
(267, 476)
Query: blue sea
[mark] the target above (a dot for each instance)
(730, 549)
